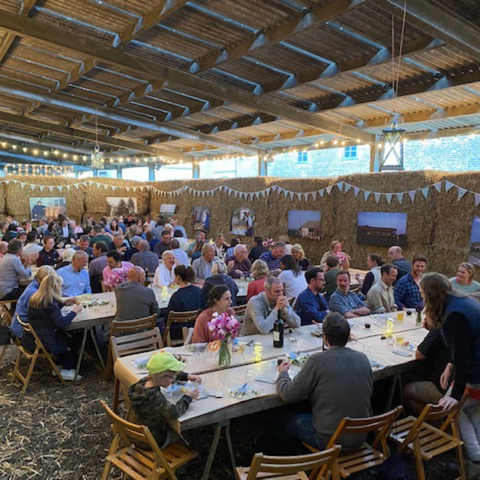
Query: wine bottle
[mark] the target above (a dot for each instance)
(147, 282)
(278, 330)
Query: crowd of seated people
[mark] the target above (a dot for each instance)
(120, 254)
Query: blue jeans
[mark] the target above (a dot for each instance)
(299, 427)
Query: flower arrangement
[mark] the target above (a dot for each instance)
(118, 276)
(223, 328)
(269, 243)
(419, 310)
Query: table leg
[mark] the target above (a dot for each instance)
(80, 354)
(396, 380)
(217, 429)
(230, 447)
(93, 334)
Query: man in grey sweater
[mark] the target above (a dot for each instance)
(12, 270)
(338, 384)
(134, 300)
(262, 309)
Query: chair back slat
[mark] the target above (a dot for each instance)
(141, 342)
(293, 464)
(178, 318)
(5, 312)
(126, 327)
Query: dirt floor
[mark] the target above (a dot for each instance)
(62, 433)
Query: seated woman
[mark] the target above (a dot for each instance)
(220, 277)
(197, 249)
(44, 314)
(67, 256)
(219, 301)
(188, 297)
(149, 403)
(165, 273)
(299, 255)
(374, 263)
(116, 270)
(259, 273)
(336, 249)
(465, 279)
(292, 277)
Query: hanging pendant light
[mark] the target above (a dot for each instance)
(97, 157)
(392, 147)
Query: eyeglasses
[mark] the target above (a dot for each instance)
(173, 377)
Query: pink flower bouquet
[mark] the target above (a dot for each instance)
(224, 327)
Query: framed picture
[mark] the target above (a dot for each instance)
(47, 207)
(243, 222)
(121, 206)
(382, 229)
(201, 218)
(474, 255)
(167, 210)
(304, 224)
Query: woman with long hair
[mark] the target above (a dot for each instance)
(458, 316)
(219, 301)
(259, 273)
(336, 249)
(292, 277)
(188, 297)
(299, 255)
(45, 315)
(465, 281)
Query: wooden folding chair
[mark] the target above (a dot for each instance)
(187, 334)
(124, 345)
(417, 435)
(6, 316)
(240, 312)
(135, 452)
(366, 456)
(291, 468)
(177, 318)
(126, 327)
(39, 352)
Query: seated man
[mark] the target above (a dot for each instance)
(407, 289)
(97, 265)
(338, 384)
(31, 246)
(180, 255)
(76, 280)
(12, 270)
(311, 304)
(84, 244)
(203, 265)
(331, 271)
(164, 244)
(272, 258)
(422, 385)
(240, 264)
(380, 297)
(262, 309)
(346, 302)
(134, 300)
(99, 235)
(145, 258)
(403, 266)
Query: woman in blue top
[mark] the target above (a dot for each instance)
(465, 281)
(45, 315)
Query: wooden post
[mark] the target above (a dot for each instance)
(375, 153)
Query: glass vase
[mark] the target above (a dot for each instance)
(225, 354)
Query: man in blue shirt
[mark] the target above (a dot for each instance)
(346, 302)
(311, 304)
(76, 280)
(272, 259)
(407, 290)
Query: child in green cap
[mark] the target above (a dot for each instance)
(149, 403)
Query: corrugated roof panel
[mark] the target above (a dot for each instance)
(113, 78)
(444, 58)
(466, 9)
(25, 79)
(141, 50)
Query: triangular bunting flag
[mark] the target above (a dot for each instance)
(257, 194)
(42, 188)
(347, 187)
(299, 196)
(340, 186)
(425, 191)
(438, 186)
(356, 191)
(292, 195)
(412, 194)
(477, 199)
(314, 195)
(377, 197)
(388, 196)
(330, 188)
(366, 194)
(461, 192)
(399, 197)
(321, 192)
(448, 185)
(50, 188)
(285, 193)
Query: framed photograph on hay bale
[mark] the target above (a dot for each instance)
(201, 218)
(304, 224)
(121, 206)
(382, 229)
(168, 210)
(47, 207)
(474, 255)
(243, 222)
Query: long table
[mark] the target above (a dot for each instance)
(219, 411)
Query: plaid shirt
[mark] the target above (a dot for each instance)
(407, 293)
(272, 262)
(146, 260)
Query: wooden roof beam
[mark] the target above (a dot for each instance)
(15, 157)
(438, 23)
(115, 56)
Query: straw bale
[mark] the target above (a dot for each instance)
(2, 199)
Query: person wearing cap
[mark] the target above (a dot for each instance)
(150, 404)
